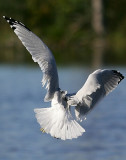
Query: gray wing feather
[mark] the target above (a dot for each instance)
(40, 54)
(99, 84)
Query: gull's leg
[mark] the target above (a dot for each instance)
(42, 130)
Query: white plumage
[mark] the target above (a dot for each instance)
(57, 120)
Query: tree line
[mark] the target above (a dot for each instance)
(66, 27)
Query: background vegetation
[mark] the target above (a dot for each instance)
(66, 28)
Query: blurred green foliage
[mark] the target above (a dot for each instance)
(65, 26)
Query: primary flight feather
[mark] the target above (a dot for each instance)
(57, 120)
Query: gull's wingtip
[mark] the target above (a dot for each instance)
(13, 23)
(5, 17)
(121, 76)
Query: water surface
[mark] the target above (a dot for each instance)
(20, 136)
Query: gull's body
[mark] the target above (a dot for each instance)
(57, 120)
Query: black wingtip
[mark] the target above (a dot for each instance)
(121, 77)
(6, 18)
(13, 23)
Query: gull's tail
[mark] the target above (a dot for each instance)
(58, 122)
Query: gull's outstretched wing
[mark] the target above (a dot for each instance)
(99, 84)
(40, 54)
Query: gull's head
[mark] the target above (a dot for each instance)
(63, 93)
(59, 95)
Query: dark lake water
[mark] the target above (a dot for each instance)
(20, 136)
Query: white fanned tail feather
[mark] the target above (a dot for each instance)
(58, 122)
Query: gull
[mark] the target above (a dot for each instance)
(58, 120)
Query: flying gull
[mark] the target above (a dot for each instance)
(57, 120)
